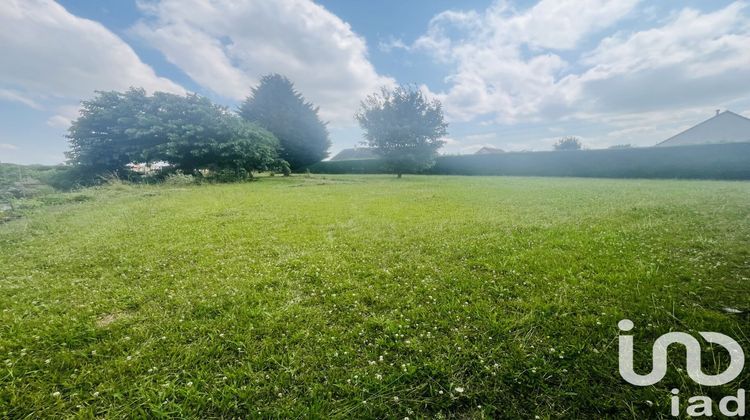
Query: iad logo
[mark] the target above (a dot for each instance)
(703, 405)
(693, 347)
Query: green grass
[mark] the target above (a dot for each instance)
(366, 296)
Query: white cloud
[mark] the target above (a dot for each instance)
(701, 41)
(14, 96)
(59, 121)
(64, 116)
(533, 65)
(506, 61)
(450, 141)
(226, 46)
(49, 53)
(393, 44)
(481, 137)
(8, 146)
(554, 24)
(695, 59)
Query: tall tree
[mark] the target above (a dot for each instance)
(403, 127)
(276, 106)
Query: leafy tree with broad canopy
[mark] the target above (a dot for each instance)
(403, 127)
(101, 138)
(276, 106)
(189, 132)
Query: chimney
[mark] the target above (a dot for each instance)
(717, 111)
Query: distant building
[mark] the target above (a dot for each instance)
(488, 151)
(357, 153)
(724, 127)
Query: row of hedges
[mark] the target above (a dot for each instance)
(708, 161)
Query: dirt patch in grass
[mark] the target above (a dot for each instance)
(107, 319)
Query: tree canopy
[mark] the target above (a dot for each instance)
(569, 143)
(403, 127)
(189, 132)
(102, 138)
(276, 106)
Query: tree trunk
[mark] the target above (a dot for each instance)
(398, 175)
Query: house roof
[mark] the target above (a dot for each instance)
(357, 153)
(487, 150)
(724, 127)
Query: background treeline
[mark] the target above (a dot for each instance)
(11, 173)
(25, 182)
(18, 180)
(710, 161)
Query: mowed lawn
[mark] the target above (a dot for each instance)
(367, 296)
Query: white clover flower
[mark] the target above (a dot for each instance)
(56, 394)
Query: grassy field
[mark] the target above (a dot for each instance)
(366, 296)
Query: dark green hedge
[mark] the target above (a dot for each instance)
(708, 161)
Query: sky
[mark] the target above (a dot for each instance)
(515, 75)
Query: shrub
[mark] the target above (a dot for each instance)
(227, 175)
(67, 178)
(179, 179)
